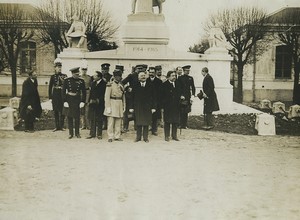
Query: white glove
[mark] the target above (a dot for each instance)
(66, 104)
(29, 107)
(108, 110)
(81, 105)
(50, 100)
(131, 110)
(153, 110)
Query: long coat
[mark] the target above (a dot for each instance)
(211, 103)
(55, 90)
(143, 102)
(171, 101)
(96, 98)
(30, 96)
(157, 87)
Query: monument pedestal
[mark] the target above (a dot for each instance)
(8, 118)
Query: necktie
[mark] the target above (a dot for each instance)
(173, 84)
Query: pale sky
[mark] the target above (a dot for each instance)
(185, 17)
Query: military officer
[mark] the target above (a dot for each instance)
(74, 96)
(114, 106)
(55, 94)
(88, 82)
(188, 87)
(106, 77)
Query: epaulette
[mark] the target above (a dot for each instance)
(108, 84)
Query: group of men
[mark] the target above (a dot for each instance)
(106, 100)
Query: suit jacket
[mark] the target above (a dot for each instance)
(157, 89)
(211, 103)
(96, 98)
(171, 101)
(30, 96)
(188, 85)
(143, 101)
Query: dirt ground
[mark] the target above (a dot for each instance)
(206, 175)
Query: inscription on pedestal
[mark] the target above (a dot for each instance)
(145, 49)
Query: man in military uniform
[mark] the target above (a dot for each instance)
(188, 86)
(114, 106)
(74, 96)
(106, 77)
(87, 82)
(55, 94)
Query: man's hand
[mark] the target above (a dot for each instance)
(81, 105)
(131, 110)
(29, 107)
(108, 110)
(205, 96)
(182, 97)
(153, 110)
(66, 104)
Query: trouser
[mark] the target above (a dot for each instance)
(167, 129)
(96, 126)
(209, 119)
(28, 121)
(84, 117)
(105, 122)
(142, 129)
(183, 119)
(155, 117)
(113, 127)
(59, 120)
(70, 124)
(126, 120)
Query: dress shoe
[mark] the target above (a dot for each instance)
(118, 139)
(62, 129)
(110, 140)
(26, 130)
(167, 139)
(147, 141)
(99, 137)
(70, 136)
(55, 129)
(90, 137)
(78, 136)
(83, 128)
(154, 133)
(175, 139)
(137, 140)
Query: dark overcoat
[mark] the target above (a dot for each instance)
(211, 103)
(30, 96)
(188, 85)
(96, 99)
(171, 101)
(143, 102)
(55, 90)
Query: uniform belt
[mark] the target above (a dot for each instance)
(72, 93)
(117, 98)
(57, 87)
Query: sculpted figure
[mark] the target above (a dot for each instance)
(77, 30)
(216, 36)
(155, 3)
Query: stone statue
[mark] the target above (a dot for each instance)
(77, 30)
(154, 4)
(216, 36)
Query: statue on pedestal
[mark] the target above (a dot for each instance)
(216, 37)
(154, 3)
(77, 30)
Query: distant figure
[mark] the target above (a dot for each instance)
(157, 3)
(30, 104)
(77, 30)
(216, 36)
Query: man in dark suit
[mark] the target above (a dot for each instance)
(96, 105)
(171, 96)
(30, 104)
(188, 86)
(210, 98)
(143, 106)
(74, 96)
(106, 77)
(55, 94)
(156, 84)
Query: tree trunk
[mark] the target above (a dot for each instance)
(240, 69)
(13, 81)
(296, 89)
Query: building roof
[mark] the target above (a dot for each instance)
(28, 10)
(288, 15)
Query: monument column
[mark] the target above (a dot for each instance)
(143, 6)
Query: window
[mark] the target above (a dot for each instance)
(283, 62)
(27, 56)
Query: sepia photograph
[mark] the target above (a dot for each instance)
(149, 109)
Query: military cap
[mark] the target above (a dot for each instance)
(105, 66)
(145, 66)
(140, 66)
(158, 67)
(186, 67)
(117, 72)
(75, 70)
(120, 67)
(151, 68)
(57, 62)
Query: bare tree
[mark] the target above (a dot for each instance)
(289, 34)
(100, 27)
(243, 28)
(13, 31)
